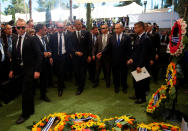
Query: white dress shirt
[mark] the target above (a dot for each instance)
(2, 52)
(22, 40)
(120, 36)
(104, 40)
(43, 43)
(63, 42)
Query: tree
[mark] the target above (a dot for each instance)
(88, 16)
(15, 7)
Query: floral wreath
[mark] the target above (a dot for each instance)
(178, 31)
(171, 75)
(83, 121)
(47, 122)
(120, 123)
(156, 99)
(157, 126)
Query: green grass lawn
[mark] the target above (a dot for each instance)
(101, 101)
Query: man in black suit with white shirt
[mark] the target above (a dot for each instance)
(80, 45)
(60, 53)
(26, 61)
(44, 48)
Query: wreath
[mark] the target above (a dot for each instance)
(171, 75)
(178, 31)
(53, 122)
(156, 99)
(83, 121)
(121, 123)
(157, 127)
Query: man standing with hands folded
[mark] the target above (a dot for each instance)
(26, 61)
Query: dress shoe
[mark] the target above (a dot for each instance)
(79, 92)
(21, 120)
(45, 98)
(132, 97)
(140, 101)
(60, 92)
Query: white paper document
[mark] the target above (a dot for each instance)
(140, 76)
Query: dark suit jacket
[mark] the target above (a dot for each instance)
(82, 46)
(31, 55)
(98, 45)
(119, 54)
(141, 51)
(54, 45)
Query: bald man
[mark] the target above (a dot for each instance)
(59, 49)
(80, 45)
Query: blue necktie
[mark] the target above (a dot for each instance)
(60, 45)
(118, 40)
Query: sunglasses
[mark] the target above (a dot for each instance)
(103, 28)
(20, 27)
(60, 27)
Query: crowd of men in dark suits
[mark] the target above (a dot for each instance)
(73, 51)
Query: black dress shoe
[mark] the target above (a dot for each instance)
(132, 97)
(60, 92)
(79, 92)
(45, 98)
(21, 120)
(140, 101)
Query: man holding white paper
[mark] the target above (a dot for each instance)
(140, 58)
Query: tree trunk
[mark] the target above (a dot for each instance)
(70, 11)
(30, 9)
(88, 16)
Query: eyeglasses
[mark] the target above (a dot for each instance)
(20, 27)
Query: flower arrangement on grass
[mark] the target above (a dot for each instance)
(121, 123)
(157, 127)
(84, 121)
(156, 99)
(171, 75)
(178, 31)
(53, 122)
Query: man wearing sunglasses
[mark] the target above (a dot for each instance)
(60, 54)
(26, 62)
(104, 62)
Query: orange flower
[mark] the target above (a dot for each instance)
(119, 125)
(174, 129)
(60, 128)
(130, 122)
(42, 124)
(164, 127)
(38, 129)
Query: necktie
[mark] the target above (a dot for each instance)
(79, 36)
(18, 49)
(44, 44)
(118, 40)
(60, 44)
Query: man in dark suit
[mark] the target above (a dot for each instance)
(92, 64)
(104, 61)
(120, 49)
(60, 53)
(155, 43)
(26, 61)
(80, 45)
(140, 58)
(44, 48)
